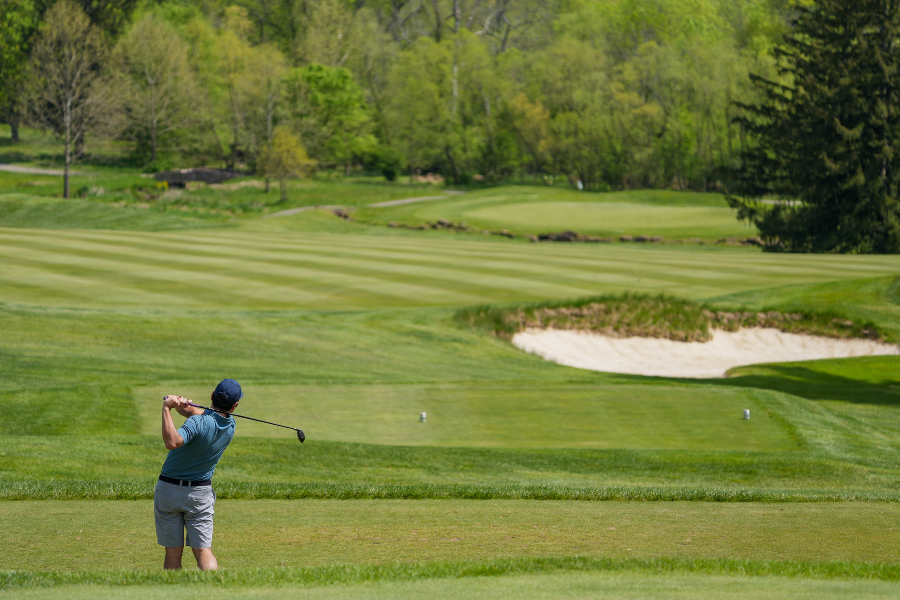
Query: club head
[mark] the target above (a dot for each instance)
(300, 435)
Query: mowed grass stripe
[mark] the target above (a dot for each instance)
(442, 278)
(115, 282)
(275, 281)
(339, 274)
(493, 250)
(366, 268)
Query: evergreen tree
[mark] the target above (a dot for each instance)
(828, 134)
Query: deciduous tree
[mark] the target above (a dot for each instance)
(152, 85)
(285, 158)
(65, 65)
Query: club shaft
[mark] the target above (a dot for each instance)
(243, 417)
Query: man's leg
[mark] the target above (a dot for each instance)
(173, 558)
(206, 560)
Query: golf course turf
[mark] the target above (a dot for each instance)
(528, 479)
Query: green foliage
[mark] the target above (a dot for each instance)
(18, 22)
(827, 134)
(151, 87)
(327, 107)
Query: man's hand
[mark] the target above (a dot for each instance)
(182, 405)
(176, 402)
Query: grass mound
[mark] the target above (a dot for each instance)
(25, 211)
(662, 316)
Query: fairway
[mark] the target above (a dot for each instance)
(243, 270)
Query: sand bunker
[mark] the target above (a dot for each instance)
(665, 358)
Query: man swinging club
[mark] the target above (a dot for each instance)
(184, 500)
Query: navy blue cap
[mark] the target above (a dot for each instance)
(227, 393)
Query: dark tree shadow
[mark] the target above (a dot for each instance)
(800, 381)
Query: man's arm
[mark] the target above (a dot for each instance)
(171, 438)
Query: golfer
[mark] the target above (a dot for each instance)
(183, 500)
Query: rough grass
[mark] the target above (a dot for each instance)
(21, 211)
(637, 315)
(70, 490)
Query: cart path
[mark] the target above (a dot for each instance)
(33, 171)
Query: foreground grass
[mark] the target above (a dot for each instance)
(52, 535)
(563, 577)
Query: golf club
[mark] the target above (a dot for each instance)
(300, 435)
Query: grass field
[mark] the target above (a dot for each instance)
(527, 480)
(534, 210)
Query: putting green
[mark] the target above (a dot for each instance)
(298, 533)
(532, 210)
(614, 218)
(502, 415)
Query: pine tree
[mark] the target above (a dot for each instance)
(828, 134)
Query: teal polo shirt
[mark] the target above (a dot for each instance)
(205, 438)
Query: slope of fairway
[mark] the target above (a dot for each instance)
(24, 211)
(533, 210)
(209, 270)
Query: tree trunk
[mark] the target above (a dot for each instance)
(14, 129)
(267, 185)
(68, 158)
(438, 23)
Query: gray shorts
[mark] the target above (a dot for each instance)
(179, 509)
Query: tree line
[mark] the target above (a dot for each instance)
(605, 95)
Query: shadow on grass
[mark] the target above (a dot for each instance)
(816, 385)
(801, 381)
